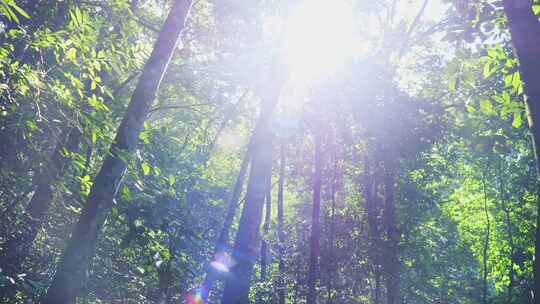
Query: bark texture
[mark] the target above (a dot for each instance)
(245, 247)
(223, 240)
(525, 31)
(238, 281)
(73, 266)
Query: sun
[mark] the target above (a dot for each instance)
(319, 37)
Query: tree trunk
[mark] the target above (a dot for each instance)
(508, 220)
(511, 271)
(245, 246)
(391, 263)
(245, 251)
(370, 187)
(377, 286)
(525, 31)
(223, 239)
(313, 274)
(17, 247)
(266, 228)
(72, 268)
(280, 227)
(332, 267)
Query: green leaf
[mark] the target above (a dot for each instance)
(126, 194)
(518, 120)
(6, 10)
(487, 70)
(486, 107)
(498, 99)
(31, 125)
(71, 54)
(145, 137)
(516, 81)
(146, 168)
(508, 80)
(78, 16)
(470, 109)
(536, 9)
(452, 84)
(97, 103)
(19, 10)
(171, 179)
(506, 97)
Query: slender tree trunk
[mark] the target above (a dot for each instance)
(378, 285)
(72, 268)
(485, 250)
(332, 261)
(313, 274)
(17, 247)
(264, 244)
(247, 238)
(525, 31)
(244, 253)
(370, 187)
(280, 227)
(391, 263)
(223, 239)
(165, 280)
(508, 222)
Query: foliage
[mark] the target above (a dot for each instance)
(435, 106)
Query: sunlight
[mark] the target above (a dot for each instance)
(223, 262)
(319, 37)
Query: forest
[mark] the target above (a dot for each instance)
(270, 152)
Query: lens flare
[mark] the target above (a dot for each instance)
(194, 298)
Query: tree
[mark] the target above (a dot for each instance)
(245, 251)
(391, 266)
(525, 30)
(266, 229)
(16, 248)
(280, 222)
(405, 174)
(370, 186)
(223, 239)
(73, 265)
(314, 249)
